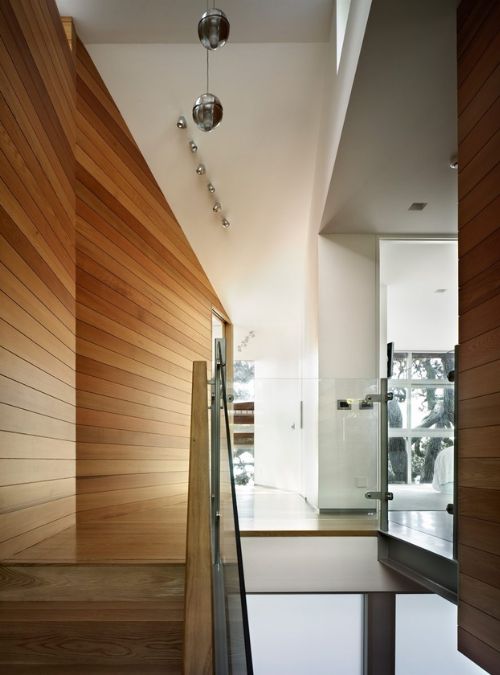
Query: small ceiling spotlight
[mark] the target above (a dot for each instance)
(211, 188)
(193, 147)
(181, 122)
(225, 223)
(454, 163)
(213, 28)
(244, 343)
(200, 169)
(217, 207)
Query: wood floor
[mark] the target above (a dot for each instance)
(91, 619)
(153, 531)
(149, 532)
(266, 512)
(432, 530)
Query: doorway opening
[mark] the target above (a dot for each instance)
(419, 318)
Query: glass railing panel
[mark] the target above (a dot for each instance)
(307, 445)
(232, 649)
(311, 447)
(348, 444)
(421, 439)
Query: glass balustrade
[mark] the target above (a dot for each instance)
(294, 452)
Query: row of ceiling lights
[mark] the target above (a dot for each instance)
(213, 32)
(201, 171)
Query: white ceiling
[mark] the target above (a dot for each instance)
(175, 21)
(421, 265)
(400, 129)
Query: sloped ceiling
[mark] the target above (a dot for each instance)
(261, 159)
(284, 101)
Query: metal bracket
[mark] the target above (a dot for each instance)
(378, 398)
(383, 496)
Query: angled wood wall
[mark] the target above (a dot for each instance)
(479, 385)
(143, 316)
(113, 301)
(37, 276)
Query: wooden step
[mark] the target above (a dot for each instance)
(30, 582)
(92, 669)
(91, 619)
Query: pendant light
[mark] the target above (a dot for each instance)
(213, 29)
(213, 32)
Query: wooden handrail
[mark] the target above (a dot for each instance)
(198, 607)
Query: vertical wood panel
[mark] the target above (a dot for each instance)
(37, 276)
(479, 274)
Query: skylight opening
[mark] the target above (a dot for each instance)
(342, 9)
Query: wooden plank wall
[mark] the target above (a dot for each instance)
(143, 316)
(37, 275)
(478, 45)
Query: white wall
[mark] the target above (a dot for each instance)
(309, 375)
(347, 306)
(426, 638)
(417, 316)
(305, 634)
(338, 80)
(278, 460)
(277, 433)
(347, 368)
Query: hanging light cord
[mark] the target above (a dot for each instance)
(207, 73)
(207, 51)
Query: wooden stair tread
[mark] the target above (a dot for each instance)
(96, 669)
(91, 619)
(169, 610)
(91, 583)
(90, 642)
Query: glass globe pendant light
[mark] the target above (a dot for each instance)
(207, 112)
(213, 31)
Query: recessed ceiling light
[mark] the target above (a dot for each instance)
(417, 206)
(440, 290)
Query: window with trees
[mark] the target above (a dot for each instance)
(421, 414)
